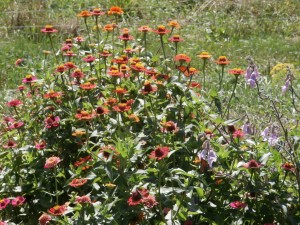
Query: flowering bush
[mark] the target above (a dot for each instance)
(104, 133)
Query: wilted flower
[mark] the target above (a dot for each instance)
(208, 153)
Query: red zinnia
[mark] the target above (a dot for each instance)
(89, 59)
(14, 103)
(137, 196)
(58, 210)
(78, 74)
(78, 182)
(148, 88)
(287, 166)
(159, 153)
(101, 110)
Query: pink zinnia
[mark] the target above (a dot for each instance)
(149, 201)
(237, 205)
(83, 199)
(52, 121)
(3, 223)
(29, 79)
(19, 200)
(3, 203)
(40, 145)
(89, 59)
(44, 219)
(14, 103)
(238, 134)
(16, 125)
(52, 162)
(10, 144)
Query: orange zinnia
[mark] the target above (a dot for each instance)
(174, 24)
(115, 10)
(108, 27)
(78, 182)
(204, 55)
(222, 60)
(237, 71)
(85, 14)
(182, 58)
(87, 86)
(84, 115)
(57, 210)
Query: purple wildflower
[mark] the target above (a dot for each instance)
(208, 153)
(286, 86)
(252, 75)
(270, 134)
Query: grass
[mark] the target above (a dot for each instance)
(266, 30)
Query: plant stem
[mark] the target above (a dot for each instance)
(228, 105)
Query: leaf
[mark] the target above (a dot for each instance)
(231, 122)
(182, 172)
(265, 158)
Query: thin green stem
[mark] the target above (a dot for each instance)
(232, 94)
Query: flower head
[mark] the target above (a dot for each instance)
(174, 24)
(121, 107)
(89, 59)
(83, 199)
(207, 154)
(176, 38)
(84, 115)
(85, 14)
(181, 58)
(161, 30)
(237, 71)
(19, 200)
(239, 134)
(52, 121)
(252, 164)
(222, 60)
(204, 55)
(237, 205)
(14, 103)
(144, 29)
(270, 134)
(58, 210)
(137, 196)
(49, 29)
(4, 202)
(97, 12)
(10, 144)
(169, 126)
(52, 162)
(44, 219)
(115, 10)
(78, 182)
(287, 166)
(159, 153)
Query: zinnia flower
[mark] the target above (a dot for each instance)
(237, 205)
(52, 121)
(148, 88)
(49, 29)
(84, 115)
(222, 60)
(238, 134)
(237, 71)
(161, 30)
(159, 153)
(176, 38)
(83, 199)
(287, 166)
(14, 103)
(149, 201)
(97, 12)
(115, 10)
(44, 219)
(181, 58)
(3, 203)
(137, 196)
(204, 55)
(58, 210)
(10, 144)
(85, 14)
(78, 182)
(174, 24)
(252, 164)
(169, 126)
(52, 162)
(121, 107)
(19, 200)
(144, 29)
